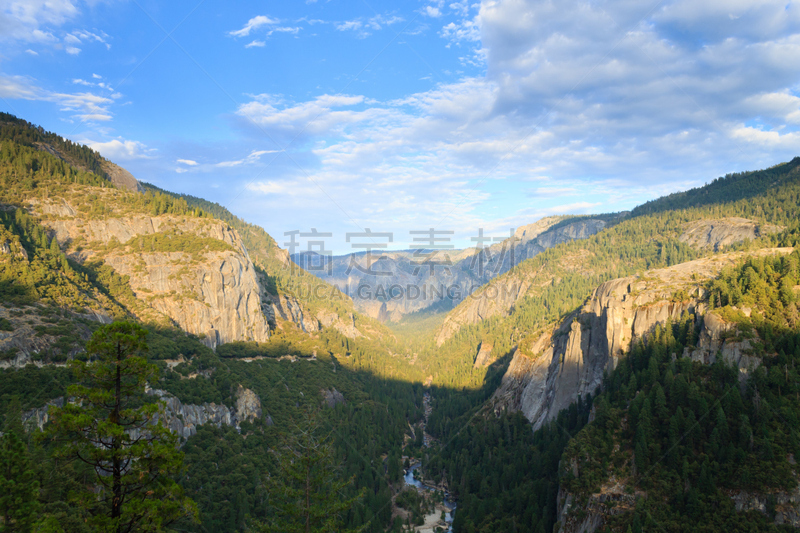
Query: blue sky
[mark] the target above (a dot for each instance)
(401, 116)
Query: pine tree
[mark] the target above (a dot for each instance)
(19, 490)
(112, 426)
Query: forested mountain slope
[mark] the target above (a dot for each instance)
(632, 376)
(722, 321)
(540, 290)
(230, 320)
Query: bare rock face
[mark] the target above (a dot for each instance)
(494, 299)
(121, 178)
(483, 357)
(212, 294)
(25, 342)
(248, 405)
(718, 234)
(568, 361)
(787, 505)
(331, 398)
(180, 418)
(37, 418)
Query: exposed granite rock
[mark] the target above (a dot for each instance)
(217, 298)
(718, 234)
(561, 364)
(121, 178)
(37, 418)
(332, 397)
(787, 504)
(180, 418)
(28, 342)
(483, 357)
(499, 298)
(612, 499)
(289, 308)
(248, 405)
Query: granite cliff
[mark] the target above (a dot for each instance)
(500, 297)
(179, 417)
(552, 368)
(204, 283)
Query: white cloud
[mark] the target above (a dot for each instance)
(254, 156)
(97, 76)
(286, 29)
(121, 150)
(362, 26)
(433, 11)
(84, 36)
(86, 107)
(24, 20)
(189, 162)
(257, 44)
(349, 25)
(282, 189)
(31, 52)
(73, 50)
(253, 24)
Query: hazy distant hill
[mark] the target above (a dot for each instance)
(390, 284)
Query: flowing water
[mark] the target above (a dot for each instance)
(449, 503)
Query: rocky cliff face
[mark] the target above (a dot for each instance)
(553, 368)
(121, 178)
(449, 278)
(718, 234)
(213, 293)
(499, 298)
(180, 418)
(288, 308)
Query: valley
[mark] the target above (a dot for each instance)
(633, 371)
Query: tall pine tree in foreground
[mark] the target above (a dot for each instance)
(113, 426)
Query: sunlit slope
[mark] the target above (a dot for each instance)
(540, 290)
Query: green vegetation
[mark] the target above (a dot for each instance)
(19, 487)
(304, 493)
(24, 133)
(685, 435)
(109, 426)
(564, 276)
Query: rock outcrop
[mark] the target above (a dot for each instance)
(483, 357)
(288, 308)
(121, 178)
(718, 234)
(498, 299)
(214, 294)
(331, 397)
(553, 368)
(180, 418)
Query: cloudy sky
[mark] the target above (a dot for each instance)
(405, 116)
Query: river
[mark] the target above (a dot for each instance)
(448, 504)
